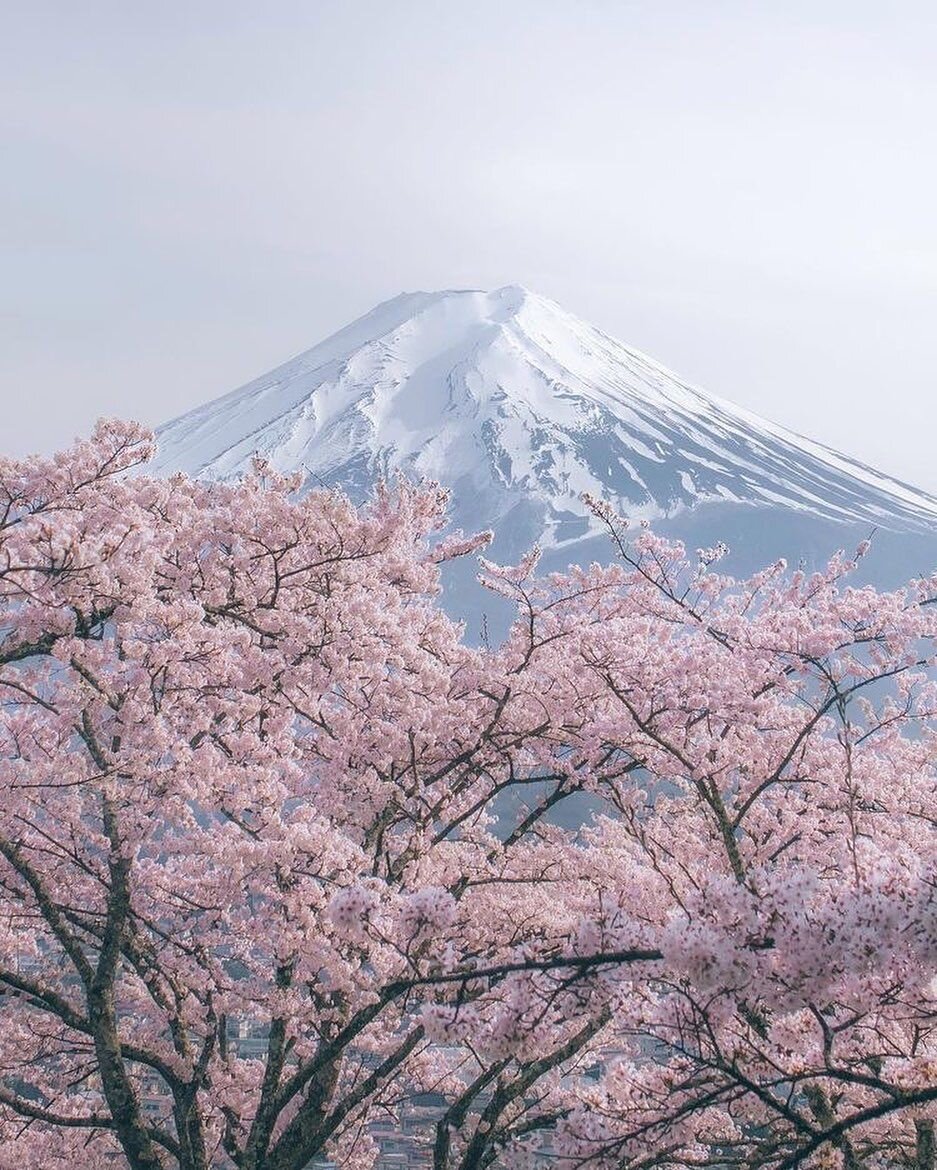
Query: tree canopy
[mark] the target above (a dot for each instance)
(256, 785)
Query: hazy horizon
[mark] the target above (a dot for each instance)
(192, 197)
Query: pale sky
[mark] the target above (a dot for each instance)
(192, 192)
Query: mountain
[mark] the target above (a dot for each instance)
(520, 407)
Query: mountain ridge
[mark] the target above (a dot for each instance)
(520, 407)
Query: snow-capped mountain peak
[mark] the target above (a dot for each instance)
(520, 407)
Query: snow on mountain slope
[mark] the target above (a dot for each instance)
(520, 407)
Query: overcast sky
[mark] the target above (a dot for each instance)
(190, 193)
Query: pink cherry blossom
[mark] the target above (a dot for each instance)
(651, 883)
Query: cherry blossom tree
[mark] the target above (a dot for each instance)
(777, 847)
(280, 851)
(247, 767)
